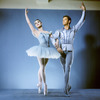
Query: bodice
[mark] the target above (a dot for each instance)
(44, 39)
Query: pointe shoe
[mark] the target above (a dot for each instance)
(45, 90)
(39, 87)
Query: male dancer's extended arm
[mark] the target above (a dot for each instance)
(80, 22)
(82, 19)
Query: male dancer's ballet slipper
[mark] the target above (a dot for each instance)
(67, 90)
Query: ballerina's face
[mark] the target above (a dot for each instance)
(38, 23)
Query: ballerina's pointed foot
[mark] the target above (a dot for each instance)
(45, 90)
(39, 88)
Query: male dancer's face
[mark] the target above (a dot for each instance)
(66, 21)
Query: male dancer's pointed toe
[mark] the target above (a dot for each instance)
(66, 91)
(69, 88)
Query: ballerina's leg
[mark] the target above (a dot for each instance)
(42, 63)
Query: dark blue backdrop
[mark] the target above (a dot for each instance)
(18, 71)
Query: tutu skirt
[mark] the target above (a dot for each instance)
(43, 52)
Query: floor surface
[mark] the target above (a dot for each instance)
(53, 94)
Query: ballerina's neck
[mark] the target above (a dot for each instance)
(40, 29)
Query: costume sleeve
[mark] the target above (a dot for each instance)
(80, 22)
(54, 37)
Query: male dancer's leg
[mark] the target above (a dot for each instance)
(63, 61)
(67, 71)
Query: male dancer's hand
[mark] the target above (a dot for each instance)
(50, 34)
(57, 44)
(58, 47)
(83, 6)
(60, 50)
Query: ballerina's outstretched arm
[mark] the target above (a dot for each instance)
(34, 31)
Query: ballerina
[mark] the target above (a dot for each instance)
(43, 51)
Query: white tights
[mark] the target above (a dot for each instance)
(41, 72)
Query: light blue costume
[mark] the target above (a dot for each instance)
(66, 38)
(43, 50)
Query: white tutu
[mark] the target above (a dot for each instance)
(43, 51)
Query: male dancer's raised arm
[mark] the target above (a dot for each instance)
(82, 19)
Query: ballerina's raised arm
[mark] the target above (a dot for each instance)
(34, 31)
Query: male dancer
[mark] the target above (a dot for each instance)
(63, 41)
